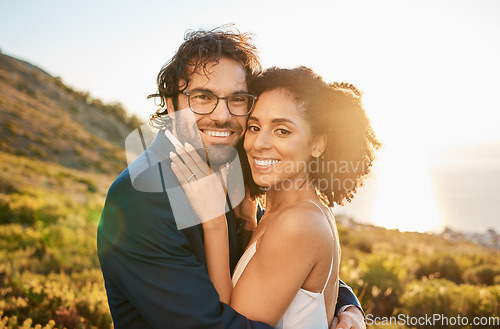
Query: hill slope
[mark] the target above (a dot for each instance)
(41, 118)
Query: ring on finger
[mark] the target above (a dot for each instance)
(192, 175)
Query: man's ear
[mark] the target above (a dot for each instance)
(319, 145)
(170, 105)
(170, 108)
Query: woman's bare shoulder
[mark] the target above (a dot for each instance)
(302, 224)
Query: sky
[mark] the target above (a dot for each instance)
(429, 71)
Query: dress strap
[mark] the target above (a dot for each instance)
(314, 203)
(331, 264)
(328, 279)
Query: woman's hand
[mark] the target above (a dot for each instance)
(203, 188)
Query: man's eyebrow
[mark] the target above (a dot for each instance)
(240, 92)
(201, 89)
(211, 91)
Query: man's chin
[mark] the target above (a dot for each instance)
(220, 154)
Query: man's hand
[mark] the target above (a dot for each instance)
(351, 318)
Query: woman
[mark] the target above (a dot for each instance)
(309, 145)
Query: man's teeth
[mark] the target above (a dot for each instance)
(215, 133)
(265, 162)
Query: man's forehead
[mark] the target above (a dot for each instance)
(226, 75)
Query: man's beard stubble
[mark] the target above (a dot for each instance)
(215, 155)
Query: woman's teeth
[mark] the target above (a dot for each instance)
(265, 162)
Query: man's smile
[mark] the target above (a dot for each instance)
(217, 133)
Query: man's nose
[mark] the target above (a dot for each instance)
(221, 112)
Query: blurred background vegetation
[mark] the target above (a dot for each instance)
(59, 152)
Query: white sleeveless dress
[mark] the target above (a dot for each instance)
(307, 310)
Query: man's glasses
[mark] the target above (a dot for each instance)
(205, 102)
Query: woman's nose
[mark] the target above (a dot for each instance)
(262, 140)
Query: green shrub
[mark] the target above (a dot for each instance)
(481, 275)
(50, 275)
(72, 301)
(18, 208)
(441, 296)
(440, 265)
(382, 277)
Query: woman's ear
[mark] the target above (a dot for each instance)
(319, 145)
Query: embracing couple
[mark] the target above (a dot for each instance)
(182, 241)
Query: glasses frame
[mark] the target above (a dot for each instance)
(188, 94)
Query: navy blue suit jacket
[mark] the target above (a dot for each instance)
(155, 274)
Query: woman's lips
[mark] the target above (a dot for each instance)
(264, 163)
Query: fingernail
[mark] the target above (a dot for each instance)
(172, 155)
(188, 146)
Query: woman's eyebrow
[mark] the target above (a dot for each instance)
(276, 120)
(281, 120)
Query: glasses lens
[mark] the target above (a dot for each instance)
(202, 102)
(240, 104)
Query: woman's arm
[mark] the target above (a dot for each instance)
(207, 195)
(216, 244)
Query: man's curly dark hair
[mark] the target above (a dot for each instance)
(200, 49)
(332, 109)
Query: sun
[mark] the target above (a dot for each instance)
(404, 197)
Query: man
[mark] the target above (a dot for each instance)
(155, 273)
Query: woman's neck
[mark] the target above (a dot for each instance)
(280, 197)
